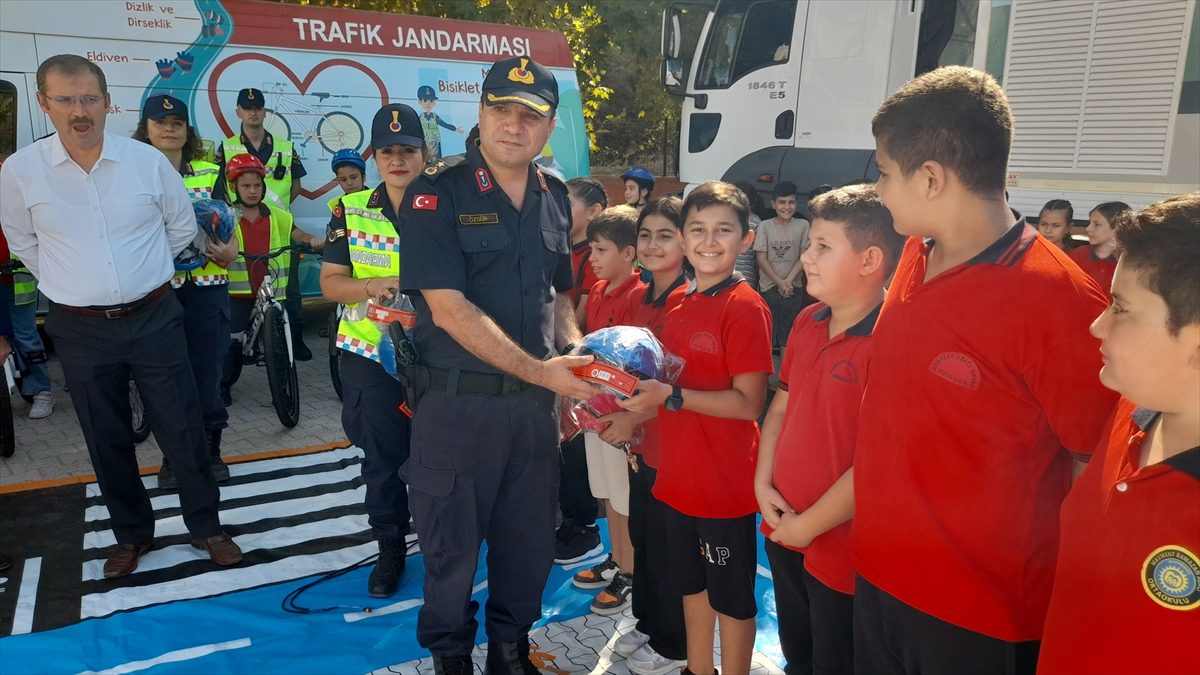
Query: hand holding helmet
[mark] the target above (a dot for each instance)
(214, 223)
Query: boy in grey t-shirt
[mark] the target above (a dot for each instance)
(778, 245)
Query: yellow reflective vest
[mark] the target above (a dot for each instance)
(281, 235)
(200, 181)
(279, 190)
(374, 252)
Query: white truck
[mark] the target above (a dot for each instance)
(1105, 93)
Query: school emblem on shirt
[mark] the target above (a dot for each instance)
(958, 368)
(1171, 577)
(704, 342)
(844, 371)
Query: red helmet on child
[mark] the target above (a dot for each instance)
(243, 163)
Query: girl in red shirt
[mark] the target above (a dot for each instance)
(1099, 258)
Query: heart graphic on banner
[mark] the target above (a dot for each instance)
(301, 87)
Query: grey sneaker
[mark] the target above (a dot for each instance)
(646, 661)
(630, 642)
(43, 405)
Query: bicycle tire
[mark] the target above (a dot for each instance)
(140, 423)
(277, 124)
(281, 370)
(8, 432)
(337, 130)
(335, 360)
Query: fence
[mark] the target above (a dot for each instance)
(625, 142)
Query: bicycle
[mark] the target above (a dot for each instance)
(268, 341)
(333, 130)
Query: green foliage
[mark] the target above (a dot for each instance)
(615, 45)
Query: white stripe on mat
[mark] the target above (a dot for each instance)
(31, 574)
(223, 581)
(285, 484)
(172, 657)
(280, 537)
(262, 466)
(165, 527)
(403, 605)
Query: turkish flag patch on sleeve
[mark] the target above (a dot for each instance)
(425, 202)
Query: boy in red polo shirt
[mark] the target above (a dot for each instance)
(709, 438)
(982, 384)
(1126, 593)
(657, 643)
(805, 473)
(613, 238)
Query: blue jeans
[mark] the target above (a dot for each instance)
(27, 339)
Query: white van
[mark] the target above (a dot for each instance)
(324, 73)
(1105, 93)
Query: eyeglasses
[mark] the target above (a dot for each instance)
(71, 101)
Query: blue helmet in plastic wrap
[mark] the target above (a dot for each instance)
(634, 350)
(214, 220)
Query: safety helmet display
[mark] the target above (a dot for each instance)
(640, 175)
(214, 218)
(623, 355)
(243, 163)
(347, 156)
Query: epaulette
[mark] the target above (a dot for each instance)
(443, 165)
(550, 178)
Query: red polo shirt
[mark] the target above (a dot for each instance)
(584, 275)
(651, 312)
(1099, 269)
(1127, 588)
(607, 308)
(979, 379)
(256, 240)
(824, 378)
(707, 464)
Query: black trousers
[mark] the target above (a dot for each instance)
(784, 312)
(206, 325)
(657, 604)
(483, 467)
(575, 498)
(98, 357)
(372, 421)
(892, 637)
(292, 302)
(816, 623)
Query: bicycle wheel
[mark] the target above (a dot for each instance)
(337, 130)
(281, 370)
(277, 125)
(335, 361)
(8, 434)
(141, 424)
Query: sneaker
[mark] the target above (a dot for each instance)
(43, 405)
(630, 642)
(615, 595)
(646, 661)
(596, 576)
(574, 542)
(301, 351)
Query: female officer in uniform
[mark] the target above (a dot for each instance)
(362, 261)
(203, 291)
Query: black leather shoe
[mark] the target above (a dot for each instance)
(459, 664)
(166, 477)
(509, 658)
(301, 351)
(385, 578)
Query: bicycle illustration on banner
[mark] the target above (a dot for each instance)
(325, 121)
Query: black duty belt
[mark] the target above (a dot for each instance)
(118, 311)
(470, 382)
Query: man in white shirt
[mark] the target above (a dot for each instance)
(98, 219)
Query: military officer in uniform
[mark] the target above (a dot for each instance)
(362, 261)
(284, 171)
(487, 257)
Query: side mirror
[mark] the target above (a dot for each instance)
(671, 76)
(672, 33)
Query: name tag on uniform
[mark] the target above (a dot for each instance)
(479, 218)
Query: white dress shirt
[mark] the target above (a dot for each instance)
(105, 237)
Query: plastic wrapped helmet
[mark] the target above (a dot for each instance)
(214, 218)
(633, 350)
(243, 163)
(640, 175)
(347, 156)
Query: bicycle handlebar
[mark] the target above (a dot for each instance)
(273, 254)
(12, 267)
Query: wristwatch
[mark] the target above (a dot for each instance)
(675, 400)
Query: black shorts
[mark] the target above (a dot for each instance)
(718, 555)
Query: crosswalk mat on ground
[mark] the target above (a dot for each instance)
(295, 518)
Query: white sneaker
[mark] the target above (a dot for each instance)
(43, 405)
(629, 642)
(646, 661)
